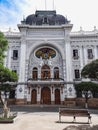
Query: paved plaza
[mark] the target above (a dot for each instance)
(44, 121)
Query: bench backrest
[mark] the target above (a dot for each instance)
(77, 112)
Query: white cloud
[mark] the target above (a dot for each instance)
(80, 12)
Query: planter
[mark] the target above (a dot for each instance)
(7, 120)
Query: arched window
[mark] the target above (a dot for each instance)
(45, 72)
(35, 73)
(77, 74)
(56, 73)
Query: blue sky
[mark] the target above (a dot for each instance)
(81, 13)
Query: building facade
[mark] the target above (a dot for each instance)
(48, 57)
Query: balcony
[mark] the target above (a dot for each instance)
(46, 81)
(75, 57)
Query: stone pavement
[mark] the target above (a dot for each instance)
(44, 121)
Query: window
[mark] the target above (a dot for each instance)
(77, 74)
(15, 54)
(45, 20)
(12, 94)
(75, 54)
(90, 54)
(56, 73)
(14, 71)
(35, 73)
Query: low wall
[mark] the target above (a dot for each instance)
(80, 102)
(69, 102)
(92, 102)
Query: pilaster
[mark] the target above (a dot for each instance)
(9, 57)
(68, 57)
(85, 55)
(81, 57)
(22, 65)
(95, 52)
(64, 69)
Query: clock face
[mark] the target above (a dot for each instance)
(45, 53)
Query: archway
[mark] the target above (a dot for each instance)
(45, 95)
(35, 73)
(57, 96)
(34, 97)
(45, 72)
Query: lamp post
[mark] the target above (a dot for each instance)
(86, 95)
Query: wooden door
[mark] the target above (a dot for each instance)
(34, 97)
(57, 96)
(45, 96)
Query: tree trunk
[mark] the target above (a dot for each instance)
(5, 108)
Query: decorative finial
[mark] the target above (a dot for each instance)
(23, 17)
(45, 5)
(95, 28)
(53, 4)
(81, 29)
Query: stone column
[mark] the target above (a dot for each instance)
(38, 94)
(62, 94)
(52, 95)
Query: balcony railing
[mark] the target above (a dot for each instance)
(46, 79)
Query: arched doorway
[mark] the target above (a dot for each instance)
(34, 97)
(57, 96)
(45, 72)
(45, 95)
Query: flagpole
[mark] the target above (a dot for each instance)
(45, 5)
(53, 4)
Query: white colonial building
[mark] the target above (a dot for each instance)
(48, 57)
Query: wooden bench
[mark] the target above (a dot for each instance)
(75, 113)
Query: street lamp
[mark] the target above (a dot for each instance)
(86, 95)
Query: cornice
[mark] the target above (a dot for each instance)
(45, 26)
(85, 34)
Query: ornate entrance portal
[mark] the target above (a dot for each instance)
(45, 95)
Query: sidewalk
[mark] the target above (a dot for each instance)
(44, 121)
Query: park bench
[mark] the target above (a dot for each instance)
(74, 113)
